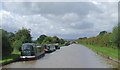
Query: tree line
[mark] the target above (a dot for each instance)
(43, 39)
(11, 42)
(104, 39)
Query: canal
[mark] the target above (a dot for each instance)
(73, 56)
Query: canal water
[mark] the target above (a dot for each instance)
(73, 56)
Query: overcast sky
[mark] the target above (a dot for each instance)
(68, 20)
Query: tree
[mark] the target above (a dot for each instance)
(84, 37)
(102, 33)
(119, 36)
(23, 33)
(47, 40)
(6, 47)
(11, 37)
(41, 38)
(21, 36)
(62, 41)
(55, 39)
(105, 39)
(0, 44)
(114, 38)
(17, 44)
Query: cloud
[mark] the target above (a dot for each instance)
(49, 7)
(68, 20)
(71, 17)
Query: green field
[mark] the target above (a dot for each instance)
(12, 56)
(104, 50)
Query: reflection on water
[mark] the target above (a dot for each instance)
(73, 56)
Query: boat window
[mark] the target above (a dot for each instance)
(27, 47)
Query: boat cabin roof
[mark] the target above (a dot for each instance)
(28, 44)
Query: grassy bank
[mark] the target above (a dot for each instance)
(104, 50)
(11, 57)
(62, 45)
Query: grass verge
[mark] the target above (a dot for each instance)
(104, 50)
(11, 57)
(62, 45)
